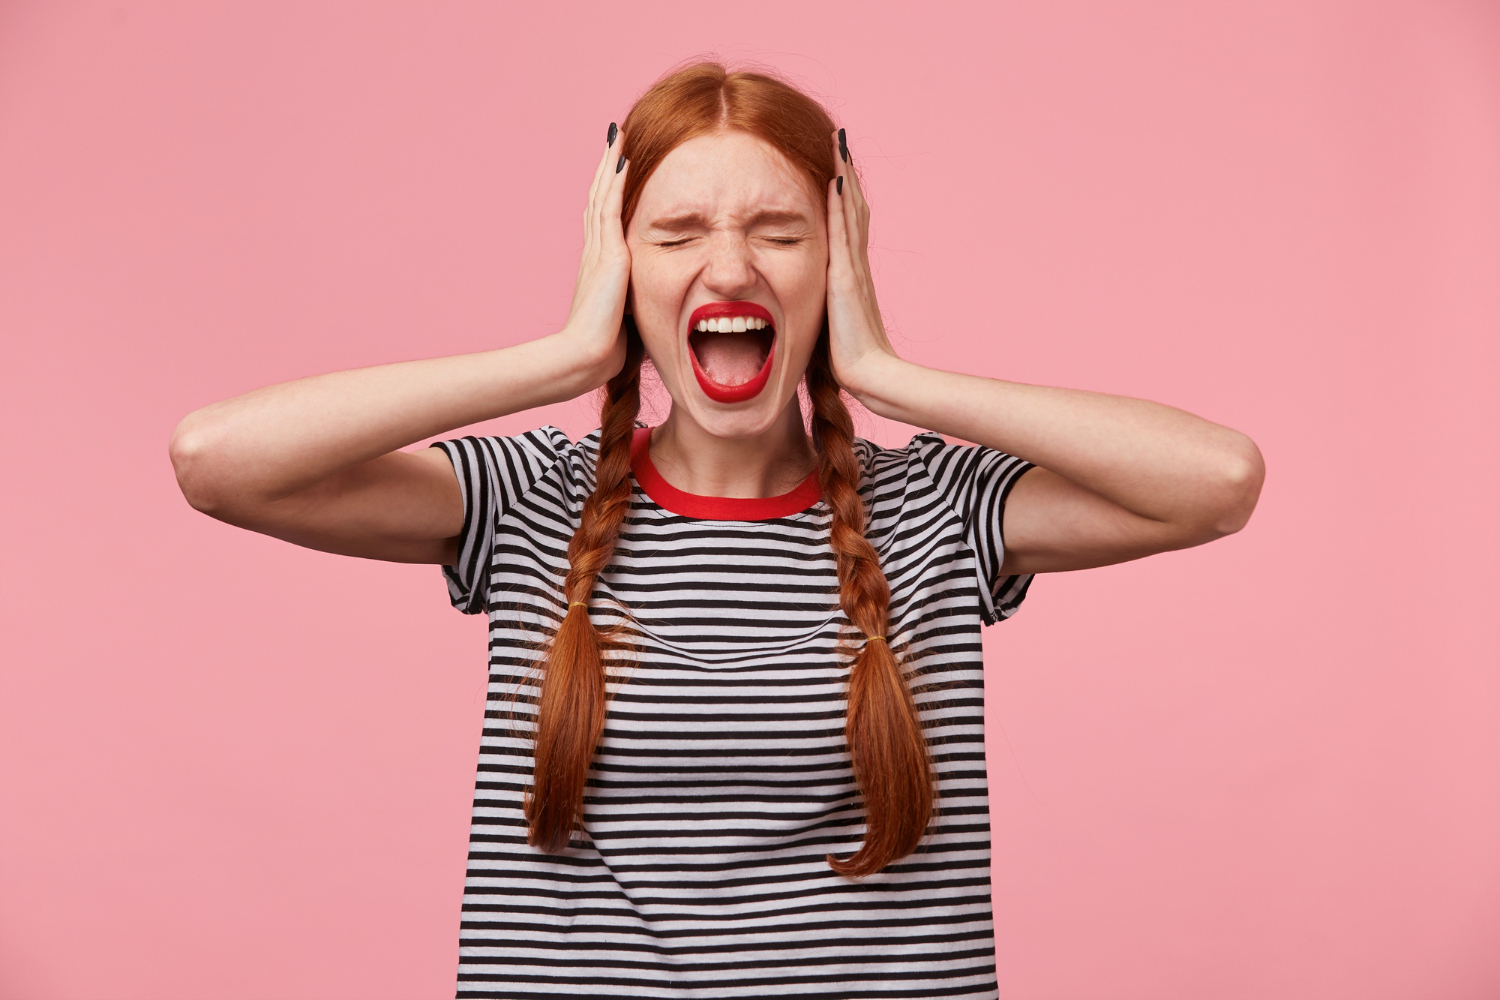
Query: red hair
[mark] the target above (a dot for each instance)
(887, 746)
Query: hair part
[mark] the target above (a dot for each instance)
(704, 99)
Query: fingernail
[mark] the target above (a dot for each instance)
(621, 165)
(613, 131)
(843, 146)
(839, 184)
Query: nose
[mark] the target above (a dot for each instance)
(729, 273)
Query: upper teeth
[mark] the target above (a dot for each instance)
(731, 324)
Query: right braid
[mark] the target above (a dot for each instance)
(572, 704)
(892, 764)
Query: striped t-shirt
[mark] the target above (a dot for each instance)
(722, 777)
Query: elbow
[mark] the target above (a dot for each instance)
(1237, 487)
(193, 458)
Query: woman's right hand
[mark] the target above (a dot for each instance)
(596, 318)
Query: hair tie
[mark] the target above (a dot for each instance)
(875, 637)
(578, 604)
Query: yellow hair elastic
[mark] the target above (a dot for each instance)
(874, 637)
(578, 604)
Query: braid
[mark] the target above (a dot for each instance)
(571, 705)
(892, 765)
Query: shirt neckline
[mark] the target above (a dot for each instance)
(708, 508)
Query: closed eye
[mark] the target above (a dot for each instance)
(781, 241)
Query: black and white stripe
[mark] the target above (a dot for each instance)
(722, 778)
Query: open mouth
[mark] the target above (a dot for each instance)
(732, 345)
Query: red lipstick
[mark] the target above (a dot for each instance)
(732, 393)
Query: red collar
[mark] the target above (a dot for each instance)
(669, 497)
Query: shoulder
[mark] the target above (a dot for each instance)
(550, 440)
(932, 466)
(501, 469)
(544, 446)
(896, 474)
(567, 463)
(879, 460)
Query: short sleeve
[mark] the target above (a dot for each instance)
(493, 474)
(974, 481)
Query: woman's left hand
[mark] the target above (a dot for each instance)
(858, 344)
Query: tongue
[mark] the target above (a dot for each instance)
(730, 358)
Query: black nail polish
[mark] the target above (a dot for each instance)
(843, 146)
(613, 131)
(621, 165)
(839, 184)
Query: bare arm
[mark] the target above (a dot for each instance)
(317, 461)
(1117, 478)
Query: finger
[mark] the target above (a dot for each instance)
(601, 176)
(851, 174)
(850, 229)
(839, 256)
(591, 215)
(604, 161)
(837, 218)
(614, 202)
(856, 209)
(611, 178)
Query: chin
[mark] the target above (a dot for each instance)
(751, 418)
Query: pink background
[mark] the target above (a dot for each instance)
(1265, 768)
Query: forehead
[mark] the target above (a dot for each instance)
(724, 176)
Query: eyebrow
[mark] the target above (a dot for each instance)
(691, 220)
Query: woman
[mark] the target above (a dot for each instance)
(734, 744)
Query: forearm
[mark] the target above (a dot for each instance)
(277, 440)
(1153, 460)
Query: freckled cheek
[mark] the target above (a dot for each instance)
(657, 293)
(803, 291)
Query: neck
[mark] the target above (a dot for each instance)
(762, 465)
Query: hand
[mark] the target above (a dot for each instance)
(596, 318)
(858, 344)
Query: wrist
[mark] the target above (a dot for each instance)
(579, 366)
(875, 381)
